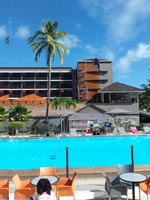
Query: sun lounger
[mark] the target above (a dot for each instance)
(73, 132)
(121, 130)
(146, 129)
(133, 130)
(115, 130)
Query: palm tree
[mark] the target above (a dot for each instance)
(56, 103)
(63, 102)
(70, 102)
(48, 39)
(19, 113)
(144, 98)
(3, 114)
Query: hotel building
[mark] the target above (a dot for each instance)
(21, 81)
(92, 75)
(82, 83)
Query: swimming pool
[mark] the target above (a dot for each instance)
(83, 152)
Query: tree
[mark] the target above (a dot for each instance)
(48, 39)
(17, 116)
(57, 103)
(144, 98)
(70, 102)
(3, 114)
(19, 113)
(63, 102)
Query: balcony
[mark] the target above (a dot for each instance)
(15, 78)
(2, 78)
(28, 78)
(41, 78)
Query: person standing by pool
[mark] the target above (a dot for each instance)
(43, 190)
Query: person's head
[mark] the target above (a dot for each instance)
(43, 185)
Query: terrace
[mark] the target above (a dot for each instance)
(89, 185)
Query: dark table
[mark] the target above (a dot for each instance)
(52, 179)
(133, 178)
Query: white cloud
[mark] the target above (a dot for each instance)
(3, 32)
(72, 41)
(110, 55)
(91, 50)
(133, 55)
(128, 20)
(100, 52)
(123, 18)
(93, 7)
(23, 32)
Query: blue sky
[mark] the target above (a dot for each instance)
(117, 30)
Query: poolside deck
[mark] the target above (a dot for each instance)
(89, 189)
(89, 183)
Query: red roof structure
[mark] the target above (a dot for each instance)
(4, 100)
(30, 99)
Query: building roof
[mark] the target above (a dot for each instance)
(89, 116)
(134, 108)
(90, 108)
(30, 99)
(4, 99)
(90, 112)
(144, 113)
(34, 69)
(120, 87)
(91, 60)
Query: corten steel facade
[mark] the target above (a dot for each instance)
(92, 75)
(18, 82)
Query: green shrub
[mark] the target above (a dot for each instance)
(16, 124)
(1, 124)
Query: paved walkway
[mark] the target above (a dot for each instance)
(90, 189)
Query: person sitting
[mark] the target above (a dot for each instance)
(56, 130)
(102, 130)
(43, 190)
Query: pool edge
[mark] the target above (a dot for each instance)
(82, 172)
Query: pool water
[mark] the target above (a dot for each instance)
(82, 152)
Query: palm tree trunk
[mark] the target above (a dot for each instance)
(48, 90)
(61, 123)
